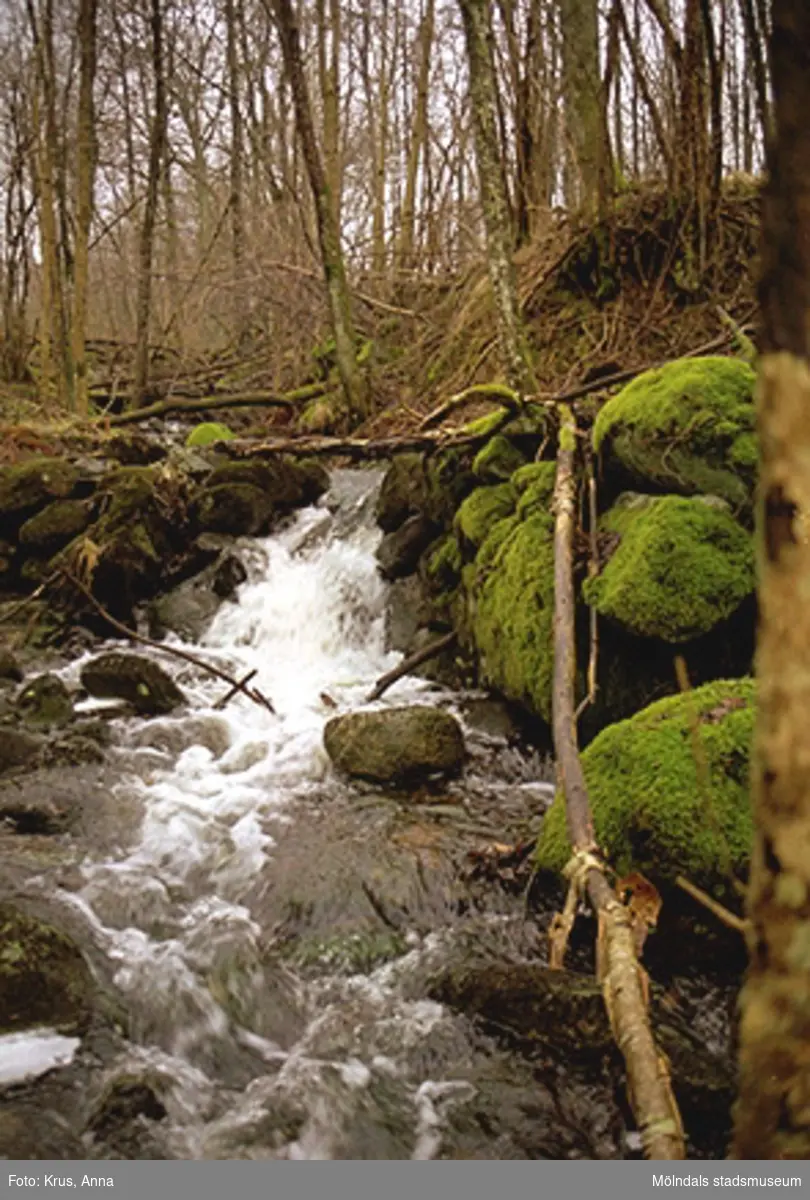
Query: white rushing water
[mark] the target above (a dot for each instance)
(168, 913)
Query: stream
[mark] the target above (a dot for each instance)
(268, 932)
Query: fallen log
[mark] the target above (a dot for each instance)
(181, 404)
(407, 665)
(622, 979)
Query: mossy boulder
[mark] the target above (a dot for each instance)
(44, 979)
(32, 484)
(497, 460)
(681, 566)
(669, 789)
(234, 508)
(132, 677)
(207, 433)
(403, 492)
(55, 525)
(441, 565)
(431, 485)
(482, 509)
(687, 427)
(395, 745)
(45, 700)
(510, 604)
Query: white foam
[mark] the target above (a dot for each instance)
(27, 1055)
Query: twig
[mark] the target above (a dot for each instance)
(236, 685)
(35, 595)
(478, 391)
(385, 681)
(593, 571)
(714, 906)
(229, 695)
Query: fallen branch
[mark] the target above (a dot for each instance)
(622, 978)
(229, 695)
(505, 396)
(407, 665)
(236, 685)
(200, 403)
(719, 910)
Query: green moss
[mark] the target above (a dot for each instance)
(489, 423)
(209, 432)
(32, 483)
(55, 524)
(482, 508)
(656, 807)
(442, 563)
(44, 979)
(681, 566)
(687, 427)
(534, 484)
(496, 461)
(511, 601)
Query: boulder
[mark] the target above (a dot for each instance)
(395, 745)
(45, 700)
(497, 460)
(399, 552)
(44, 979)
(403, 492)
(56, 524)
(27, 486)
(10, 669)
(134, 678)
(234, 508)
(677, 567)
(687, 427)
(17, 747)
(669, 790)
(482, 509)
(189, 608)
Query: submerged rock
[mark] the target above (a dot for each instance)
(687, 427)
(681, 566)
(132, 677)
(44, 979)
(669, 790)
(395, 744)
(45, 700)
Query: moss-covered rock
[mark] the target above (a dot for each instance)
(32, 484)
(55, 525)
(284, 483)
(681, 567)
(395, 745)
(431, 485)
(534, 485)
(45, 700)
(44, 979)
(207, 433)
(234, 508)
(403, 492)
(497, 460)
(686, 427)
(510, 591)
(132, 677)
(441, 565)
(669, 789)
(482, 509)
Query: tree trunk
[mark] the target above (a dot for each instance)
(773, 1113)
(157, 140)
(328, 230)
(588, 177)
(236, 190)
(417, 144)
(85, 171)
(475, 15)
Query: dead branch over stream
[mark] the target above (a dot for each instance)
(620, 975)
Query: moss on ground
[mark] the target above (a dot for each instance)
(681, 567)
(209, 432)
(687, 427)
(669, 789)
(481, 510)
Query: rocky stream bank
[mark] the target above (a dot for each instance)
(318, 931)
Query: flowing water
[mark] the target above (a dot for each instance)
(269, 931)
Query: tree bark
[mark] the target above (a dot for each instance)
(157, 141)
(773, 1113)
(85, 172)
(476, 17)
(588, 182)
(328, 230)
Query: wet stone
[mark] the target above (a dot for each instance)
(17, 747)
(45, 700)
(132, 677)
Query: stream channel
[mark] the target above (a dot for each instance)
(269, 934)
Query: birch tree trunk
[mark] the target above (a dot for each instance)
(773, 1113)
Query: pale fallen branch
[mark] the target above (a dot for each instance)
(408, 664)
(623, 981)
(236, 685)
(723, 914)
(181, 404)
